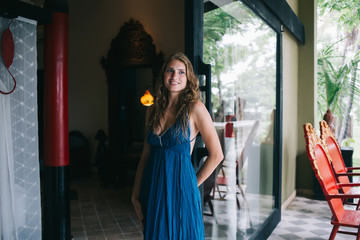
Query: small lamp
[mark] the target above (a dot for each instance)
(147, 99)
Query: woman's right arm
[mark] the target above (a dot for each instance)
(136, 188)
(139, 172)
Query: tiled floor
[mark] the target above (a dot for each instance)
(99, 212)
(236, 221)
(306, 219)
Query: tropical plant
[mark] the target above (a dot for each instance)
(338, 87)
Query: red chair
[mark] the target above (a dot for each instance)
(342, 172)
(318, 157)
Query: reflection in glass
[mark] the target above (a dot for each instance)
(241, 49)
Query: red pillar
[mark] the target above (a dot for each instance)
(56, 214)
(56, 127)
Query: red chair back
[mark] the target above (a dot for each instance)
(319, 160)
(335, 153)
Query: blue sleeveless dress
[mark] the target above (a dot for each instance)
(169, 195)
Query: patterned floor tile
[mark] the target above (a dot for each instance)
(312, 216)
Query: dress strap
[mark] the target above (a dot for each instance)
(192, 139)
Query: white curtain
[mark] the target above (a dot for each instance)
(20, 199)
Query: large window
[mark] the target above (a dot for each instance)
(242, 51)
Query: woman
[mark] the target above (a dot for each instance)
(165, 194)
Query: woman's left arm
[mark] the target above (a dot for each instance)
(205, 126)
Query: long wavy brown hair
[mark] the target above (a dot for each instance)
(187, 97)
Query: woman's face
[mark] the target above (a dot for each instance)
(175, 79)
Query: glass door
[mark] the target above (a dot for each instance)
(242, 51)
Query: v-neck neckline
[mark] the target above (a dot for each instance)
(162, 134)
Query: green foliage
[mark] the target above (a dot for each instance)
(348, 142)
(335, 83)
(347, 12)
(331, 80)
(338, 60)
(217, 23)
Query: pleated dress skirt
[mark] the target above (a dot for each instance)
(169, 195)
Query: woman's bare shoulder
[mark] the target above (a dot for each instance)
(199, 112)
(198, 107)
